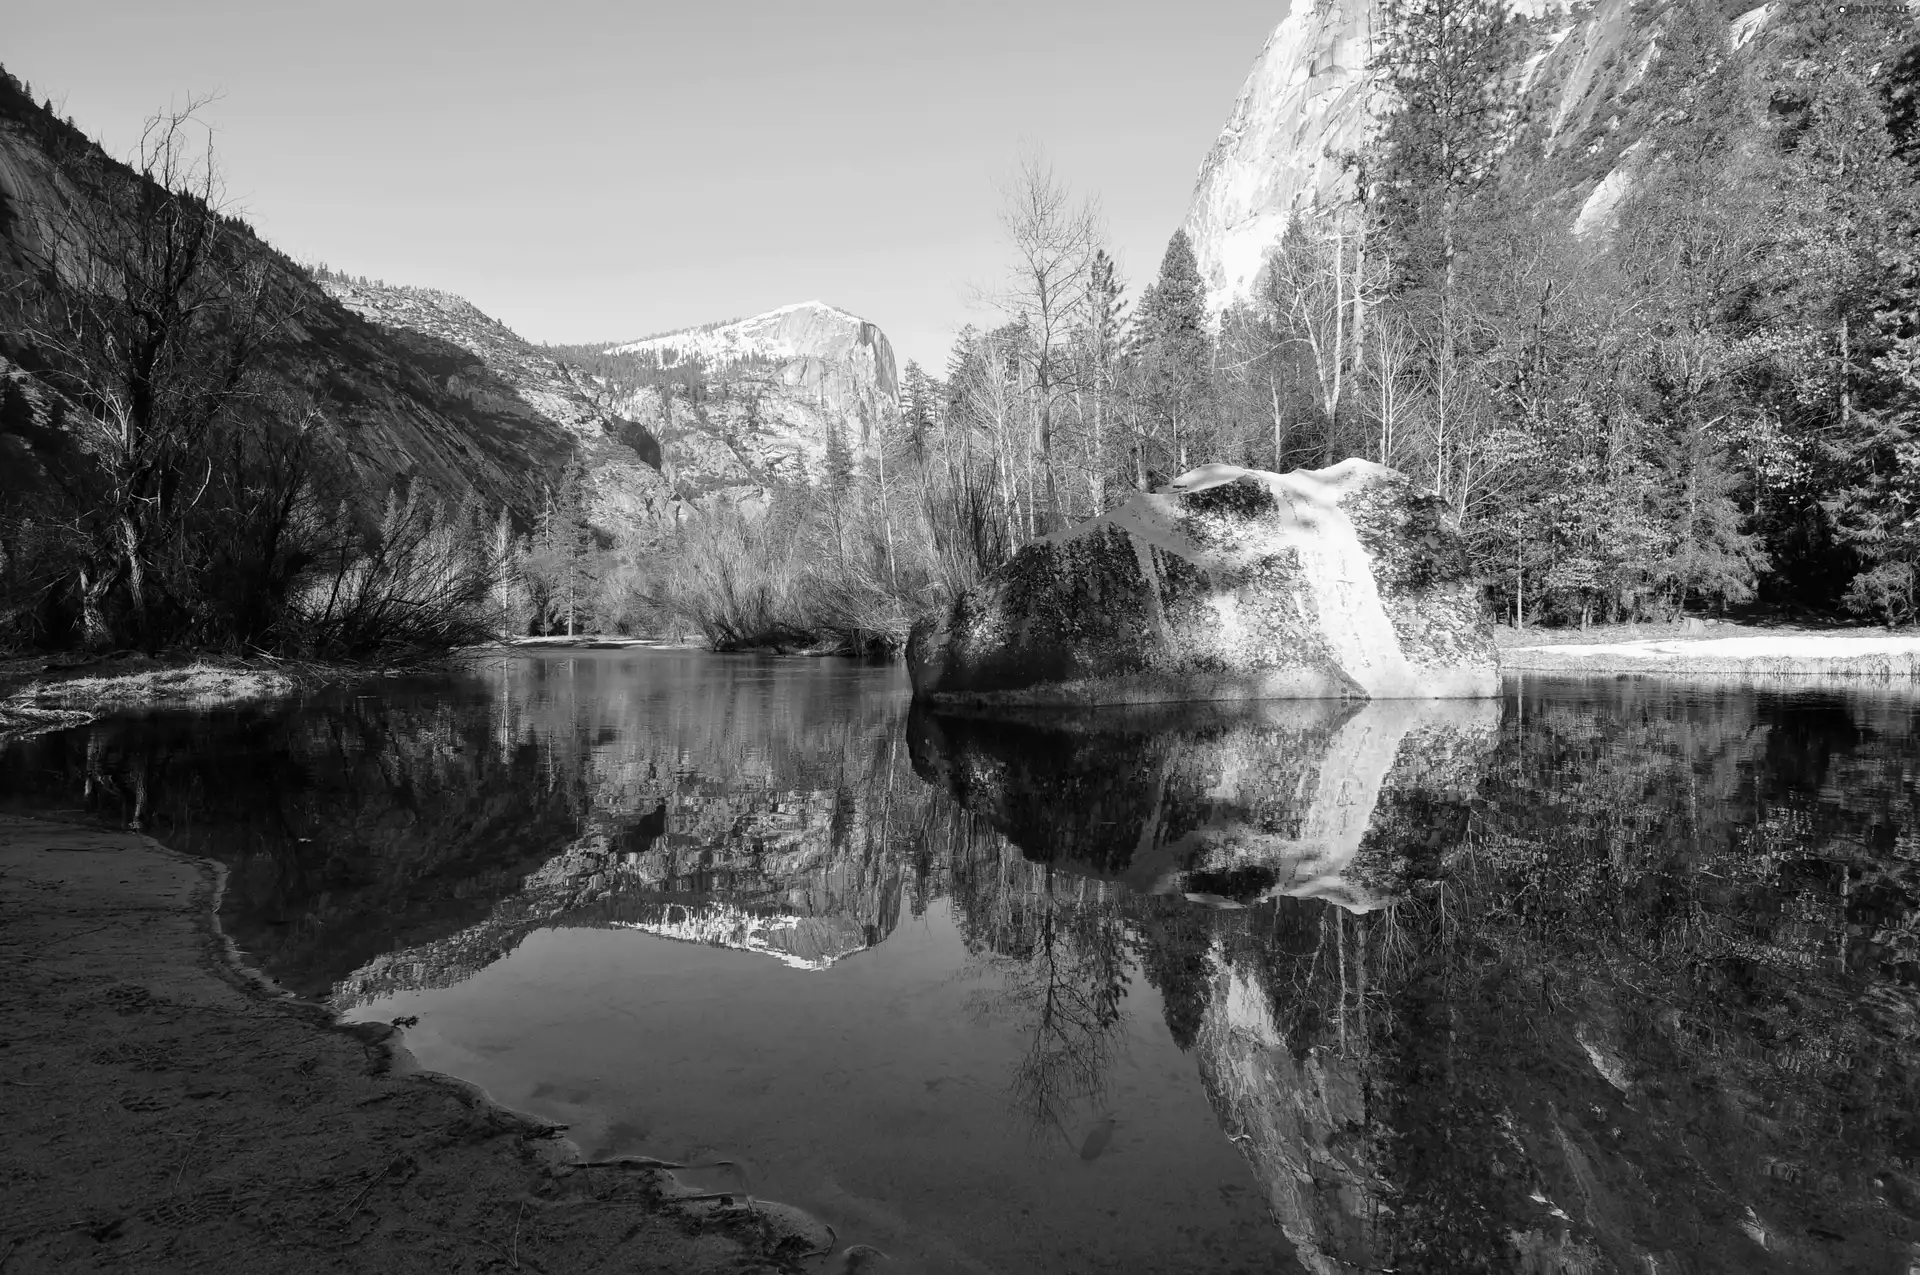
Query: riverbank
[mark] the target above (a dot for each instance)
(1718, 651)
(43, 693)
(166, 1110)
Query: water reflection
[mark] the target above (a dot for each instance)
(1605, 977)
(1228, 804)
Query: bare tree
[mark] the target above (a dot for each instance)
(1054, 239)
(153, 315)
(1394, 400)
(1317, 289)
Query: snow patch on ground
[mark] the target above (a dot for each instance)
(1799, 647)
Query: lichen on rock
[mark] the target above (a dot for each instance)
(1342, 583)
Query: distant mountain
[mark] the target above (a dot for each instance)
(812, 345)
(517, 380)
(745, 405)
(416, 386)
(1314, 98)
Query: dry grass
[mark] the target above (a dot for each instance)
(199, 683)
(37, 695)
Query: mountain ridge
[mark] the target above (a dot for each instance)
(847, 359)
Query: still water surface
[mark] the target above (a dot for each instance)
(1606, 976)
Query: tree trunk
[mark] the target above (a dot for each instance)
(1519, 585)
(1359, 339)
(886, 522)
(93, 625)
(1339, 327)
(1053, 520)
(1279, 433)
(136, 575)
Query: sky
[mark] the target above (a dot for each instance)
(601, 171)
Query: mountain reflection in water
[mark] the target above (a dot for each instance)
(1604, 977)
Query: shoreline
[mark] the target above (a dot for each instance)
(41, 693)
(1762, 659)
(170, 1109)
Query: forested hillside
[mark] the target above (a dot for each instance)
(1696, 390)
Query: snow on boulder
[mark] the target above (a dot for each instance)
(1340, 583)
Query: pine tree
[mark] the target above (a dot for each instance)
(1445, 67)
(1106, 306)
(920, 408)
(1842, 288)
(839, 460)
(1177, 353)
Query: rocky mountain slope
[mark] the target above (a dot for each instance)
(1315, 96)
(812, 346)
(419, 386)
(745, 405)
(722, 412)
(515, 380)
(388, 406)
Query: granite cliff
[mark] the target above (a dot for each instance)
(841, 358)
(1314, 99)
(742, 406)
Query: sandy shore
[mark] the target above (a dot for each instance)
(1765, 656)
(165, 1110)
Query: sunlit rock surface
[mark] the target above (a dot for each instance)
(813, 346)
(776, 387)
(1340, 583)
(1314, 98)
(1224, 804)
(1304, 103)
(771, 391)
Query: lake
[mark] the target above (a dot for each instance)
(1606, 975)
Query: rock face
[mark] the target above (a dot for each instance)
(514, 380)
(1305, 101)
(1313, 97)
(772, 390)
(423, 404)
(1339, 583)
(418, 385)
(811, 346)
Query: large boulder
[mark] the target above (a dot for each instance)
(1340, 583)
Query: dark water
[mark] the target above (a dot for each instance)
(1603, 977)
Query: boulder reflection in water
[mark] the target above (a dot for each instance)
(1235, 802)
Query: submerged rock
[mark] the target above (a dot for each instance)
(1338, 583)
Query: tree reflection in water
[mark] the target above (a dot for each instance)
(1053, 954)
(1624, 979)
